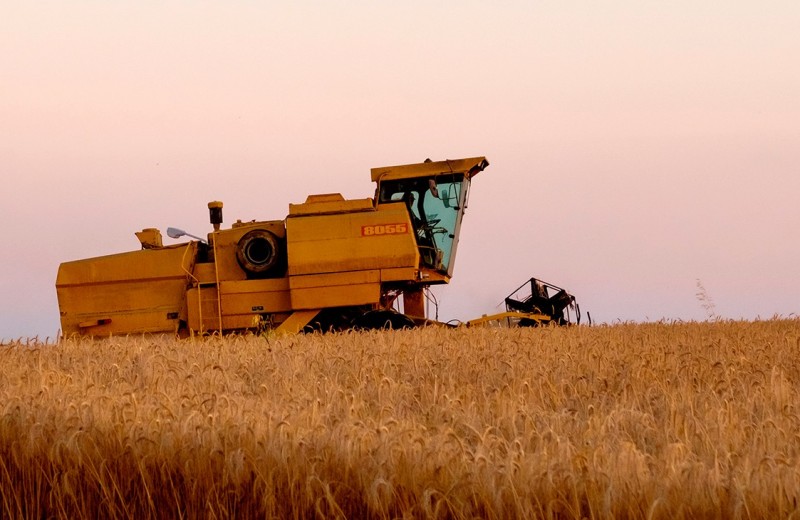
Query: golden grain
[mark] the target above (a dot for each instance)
(661, 420)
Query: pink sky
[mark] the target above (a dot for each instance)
(635, 147)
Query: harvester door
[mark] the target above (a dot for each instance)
(435, 213)
(443, 218)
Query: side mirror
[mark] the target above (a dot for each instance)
(175, 232)
(446, 198)
(178, 233)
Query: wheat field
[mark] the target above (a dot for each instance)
(659, 420)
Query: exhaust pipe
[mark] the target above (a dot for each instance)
(215, 213)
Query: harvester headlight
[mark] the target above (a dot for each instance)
(178, 233)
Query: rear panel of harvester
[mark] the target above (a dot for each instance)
(140, 291)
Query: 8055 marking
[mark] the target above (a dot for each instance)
(384, 229)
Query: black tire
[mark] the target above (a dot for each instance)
(258, 252)
(336, 319)
(383, 319)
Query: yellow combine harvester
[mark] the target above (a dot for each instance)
(331, 264)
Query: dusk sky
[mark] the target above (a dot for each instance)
(636, 147)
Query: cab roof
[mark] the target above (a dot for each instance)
(471, 166)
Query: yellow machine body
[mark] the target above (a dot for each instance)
(140, 291)
(329, 262)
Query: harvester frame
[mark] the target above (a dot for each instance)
(331, 263)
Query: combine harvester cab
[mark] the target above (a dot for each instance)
(330, 264)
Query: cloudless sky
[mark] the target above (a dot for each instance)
(636, 147)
